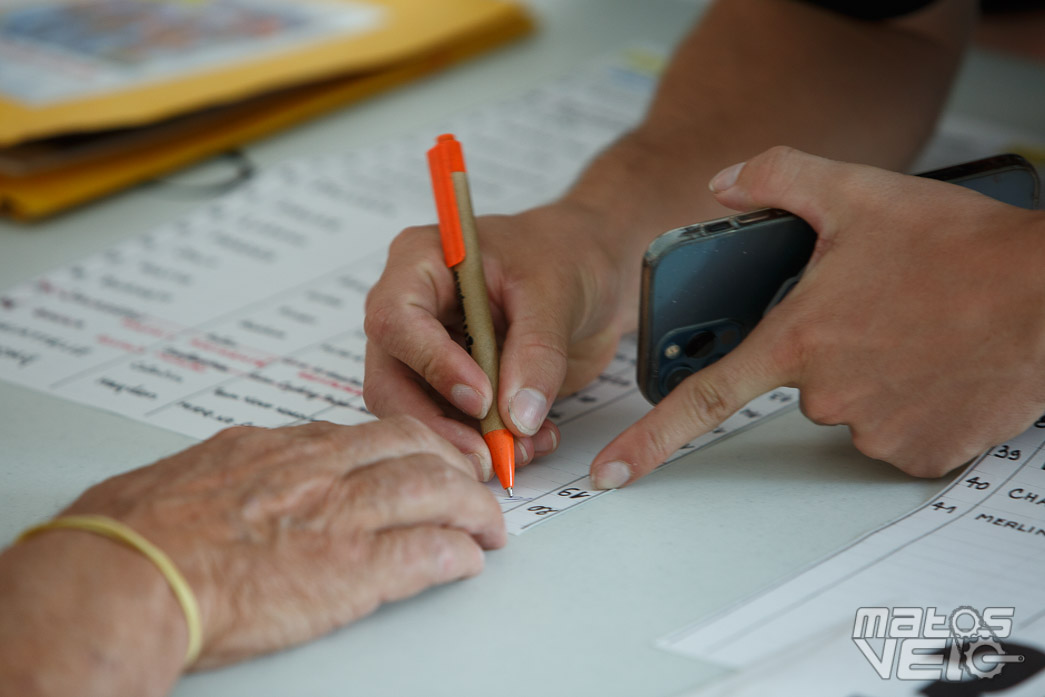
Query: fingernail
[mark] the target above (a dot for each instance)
(468, 400)
(522, 454)
(545, 441)
(527, 410)
(726, 178)
(611, 475)
(482, 465)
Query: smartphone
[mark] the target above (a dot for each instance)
(706, 286)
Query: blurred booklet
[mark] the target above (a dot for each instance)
(96, 96)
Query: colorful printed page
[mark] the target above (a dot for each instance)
(56, 52)
(68, 66)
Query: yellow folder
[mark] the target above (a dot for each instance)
(143, 132)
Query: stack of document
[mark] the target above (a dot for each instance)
(96, 96)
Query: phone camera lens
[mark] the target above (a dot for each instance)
(730, 337)
(675, 377)
(700, 345)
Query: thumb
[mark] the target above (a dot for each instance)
(699, 403)
(533, 364)
(785, 178)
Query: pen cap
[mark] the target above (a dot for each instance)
(452, 151)
(445, 158)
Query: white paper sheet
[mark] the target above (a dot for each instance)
(250, 309)
(979, 544)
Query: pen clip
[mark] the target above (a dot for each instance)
(445, 158)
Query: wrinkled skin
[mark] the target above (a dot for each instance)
(282, 534)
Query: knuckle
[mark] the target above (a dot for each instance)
(240, 444)
(372, 308)
(409, 239)
(877, 447)
(373, 486)
(416, 251)
(432, 552)
(704, 402)
(372, 396)
(452, 553)
(395, 487)
(546, 343)
(422, 474)
(440, 548)
(822, 408)
(779, 155)
(938, 461)
(234, 434)
(408, 547)
(428, 365)
(319, 441)
(412, 430)
(775, 172)
(652, 442)
(319, 429)
(377, 393)
(925, 468)
(306, 450)
(378, 320)
(385, 329)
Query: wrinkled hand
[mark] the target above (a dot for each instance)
(919, 321)
(286, 534)
(555, 299)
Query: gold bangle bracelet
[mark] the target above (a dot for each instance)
(115, 530)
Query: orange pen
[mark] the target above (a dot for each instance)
(460, 239)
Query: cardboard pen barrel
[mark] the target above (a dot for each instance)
(471, 285)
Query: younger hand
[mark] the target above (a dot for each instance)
(555, 296)
(918, 322)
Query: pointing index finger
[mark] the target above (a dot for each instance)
(699, 404)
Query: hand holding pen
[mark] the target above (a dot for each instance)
(554, 302)
(460, 239)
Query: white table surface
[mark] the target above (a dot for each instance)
(572, 607)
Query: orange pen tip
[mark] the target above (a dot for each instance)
(502, 452)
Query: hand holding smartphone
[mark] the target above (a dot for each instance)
(706, 286)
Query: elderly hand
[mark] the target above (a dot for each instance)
(918, 322)
(283, 535)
